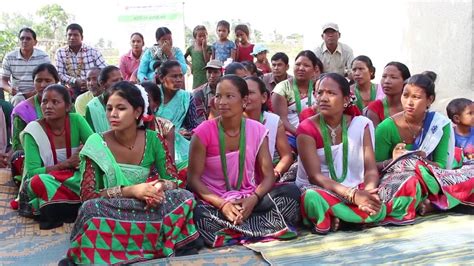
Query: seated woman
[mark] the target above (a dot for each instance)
(363, 71)
(5, 132)
(27, 111)
(140, 215)
(161, 125)
(277, 140)
(225, 155)
(162, 51)
(430, 135)
(393, 79)
(177, 106)
(95, 109)
(336, 163)
(291, 96)
(50, 188)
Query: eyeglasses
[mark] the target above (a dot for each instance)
(26, 38)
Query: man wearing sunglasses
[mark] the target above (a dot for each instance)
(18, 66)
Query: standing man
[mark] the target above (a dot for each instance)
(336, 56)
(74, 60)
(203, 95)
(18, 66)
(279, 62)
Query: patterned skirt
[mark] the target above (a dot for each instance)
(50, 198)
(444, 188)
(274, 217)
(401, 189)
(321, 206)
(119, 230)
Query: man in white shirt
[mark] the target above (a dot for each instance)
(336, 56)
(18, 66)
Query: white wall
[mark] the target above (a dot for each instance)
(425, 35)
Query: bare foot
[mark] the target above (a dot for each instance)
(335, 223)
(425, 207)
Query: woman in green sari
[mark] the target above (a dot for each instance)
(50, 187)
(27, 111)
(132, 208)
(177, 106)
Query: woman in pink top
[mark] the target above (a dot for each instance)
(224, 155)
(130, 61)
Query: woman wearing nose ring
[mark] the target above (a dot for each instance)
(431, 135)
(50, 187)
(132, 205)
(336, 163)
(293, 95)
(26, 112)
(225, 155)
(393, 79)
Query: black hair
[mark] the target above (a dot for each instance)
(48, 67)
(244, 28)
(166, 66)
(105, 73)
(161, 31)
(232, 68)
(457, 106)
(431, 74)
(252, 68)
(75, 26)
(61, 90)
(129, 92)
(94, 69)
(281, 56)
(139, 35)
(340, 80)
(199, 28)
(402, 68)
(262, 88)
(27, 29)
(223, 23)
(152, 89)
(425, 82)
(366, 60)
(238, 82)
(313, 58)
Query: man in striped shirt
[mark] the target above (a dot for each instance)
(18, 66)
(76, 59)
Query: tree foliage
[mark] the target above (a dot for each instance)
(49, 23)
(8, 42)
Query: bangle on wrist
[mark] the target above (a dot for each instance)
(114, 192)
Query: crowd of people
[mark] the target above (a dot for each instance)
(146, 168)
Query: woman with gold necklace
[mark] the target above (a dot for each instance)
(280, 150)
(431, 136)
(225, 154)
(129, 185)
(28, 111)
(52, 145)
(293, 95)
(336, 162)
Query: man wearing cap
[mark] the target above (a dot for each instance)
(204, 94)
(336, 56)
